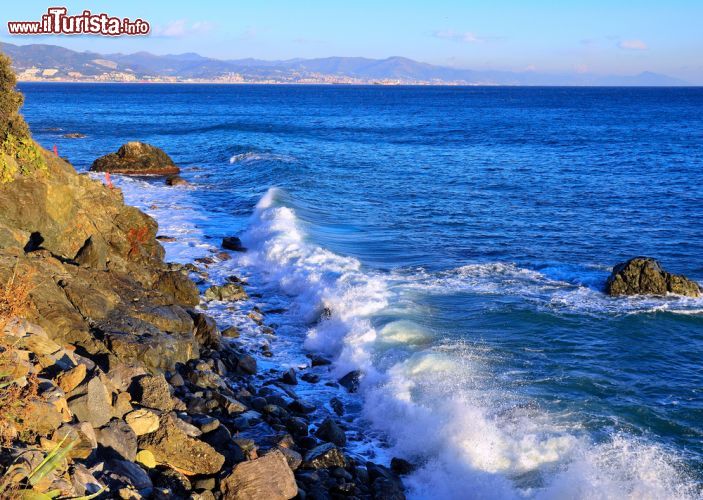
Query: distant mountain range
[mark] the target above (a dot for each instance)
(50, 62)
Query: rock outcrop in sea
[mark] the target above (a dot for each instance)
(136, 158)
(113, 381)
(645, 276)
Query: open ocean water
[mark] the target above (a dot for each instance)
(461, 238)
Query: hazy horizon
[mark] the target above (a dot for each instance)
(597, 39)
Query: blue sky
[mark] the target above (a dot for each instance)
(604, 37)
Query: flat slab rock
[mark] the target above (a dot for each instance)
(645, 276)
(267, 477)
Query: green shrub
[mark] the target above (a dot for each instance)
(18, 152)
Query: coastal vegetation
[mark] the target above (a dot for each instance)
(18, 153)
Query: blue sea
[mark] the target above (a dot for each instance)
(460, 239)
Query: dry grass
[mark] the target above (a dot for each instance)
(14, 296)
(17, 389)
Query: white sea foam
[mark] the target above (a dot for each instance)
(581, 294)
(251, 156)
(440, 406)
(435, 405)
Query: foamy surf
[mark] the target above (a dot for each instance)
(436, 406)
(437, 403)
(581, 294)
(252, 156)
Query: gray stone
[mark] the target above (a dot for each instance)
(93, 403)
(118, 439)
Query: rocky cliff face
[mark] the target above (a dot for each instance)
(97, 273)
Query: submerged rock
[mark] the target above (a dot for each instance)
(233, 243)
(645, 276)
(136, 158)
(176, 180)
(351, 381)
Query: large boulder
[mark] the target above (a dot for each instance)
(171, 445)
(267, 477)
(136, 158)
(645, 276)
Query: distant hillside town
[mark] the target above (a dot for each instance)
(40, 62)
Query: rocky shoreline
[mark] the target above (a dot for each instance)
(152, 399)
(116, 384)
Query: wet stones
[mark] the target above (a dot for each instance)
(351, 381)
(227, 292)
(323, 457)
(331, 432)
(233, 243)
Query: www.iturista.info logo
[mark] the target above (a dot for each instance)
(56, 21)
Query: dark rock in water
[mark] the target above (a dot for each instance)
(337, 406)
(247, 364)
(401, 467)
(118, 440)
(136, 158)
(324, 456)
(297, 426)
(74, 135)
(176, 180)
(233, 243)
(299, 406)
(231, 332)
(331, 432)
(645, 276)
(316, 360)
(206, 331)
(311, 378)
(384, 483)
(289, 377)
(351, 381)
(268, 477)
